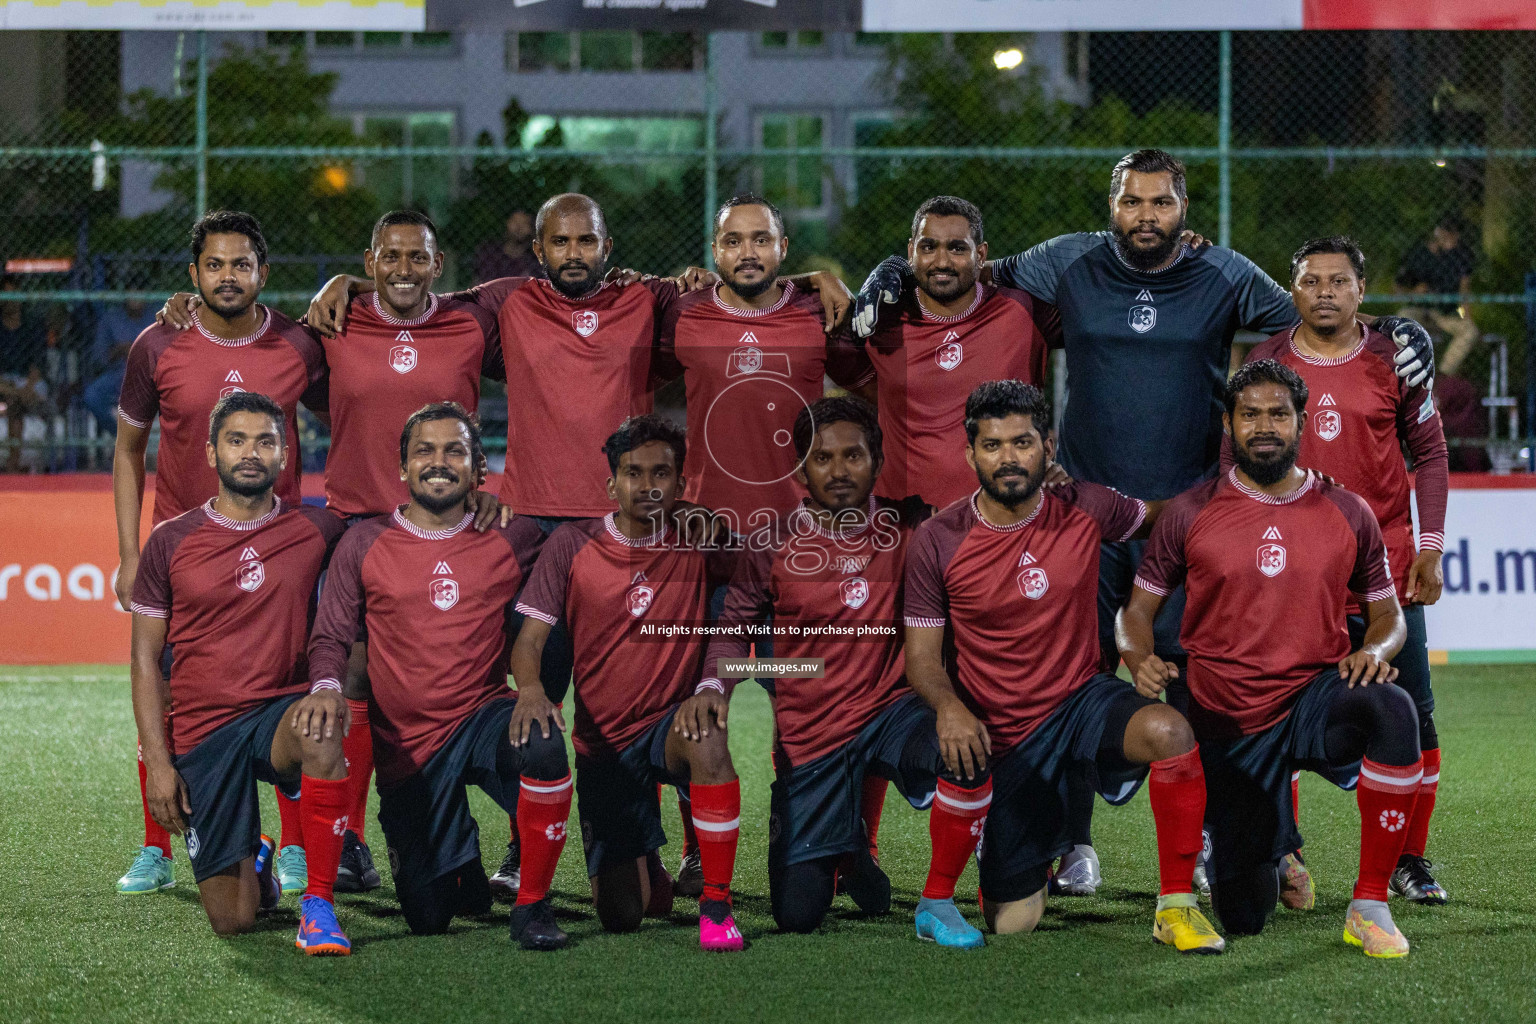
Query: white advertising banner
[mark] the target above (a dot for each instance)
(1489, 602)
(216, 15)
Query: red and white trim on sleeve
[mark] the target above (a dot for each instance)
(266, 320)
(394, 321)
(325, 684)
(235, 524)
(1150, 587)
(1269, 499)
(789, 291)
(130, 420)
(1012, 527)
(1141, 517)
(150, 610)
(648, 541)
(414, 530)
(934, 318)
(533, 613)
(915, 622)
(1380, 593)
(710, 684)
(1432, 541)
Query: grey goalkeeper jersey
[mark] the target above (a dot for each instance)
(1147, 354)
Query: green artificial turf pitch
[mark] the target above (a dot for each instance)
(72, 949)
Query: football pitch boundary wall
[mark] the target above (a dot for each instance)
(58, 553)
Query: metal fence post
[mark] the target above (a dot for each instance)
(202, 123)
(1224, 144)
(711, 149)
(1530, 371)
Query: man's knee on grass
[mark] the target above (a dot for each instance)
(230, 899)
(1244, 901)
(620, 895)
(1015, 916)
(802, 895)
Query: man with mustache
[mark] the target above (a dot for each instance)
(1009, 579)
(1137, 303)
(1361, 417)
(1271, 557)
(436, 597)
(231, 584)
(231, 343)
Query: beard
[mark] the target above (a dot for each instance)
(1269, 470)
(751, 289)
(437, 504)
(577, 290)
(247, 488)
(229, 305)
(1147, 259)
(1011, 498)
(947, 290)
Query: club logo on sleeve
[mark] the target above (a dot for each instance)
(1271, 556)
(232, 380)
(1142, 318)
(1033, 583)
(855, 592)
(584, 321)
(444, 592)
(251, 574)
(950, 354)
(402, 358)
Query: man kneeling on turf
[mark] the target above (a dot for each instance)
(613, 580)
(436, 596)
(1270, 556)
(1013, 572)
(231, 585)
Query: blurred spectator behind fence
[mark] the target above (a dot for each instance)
(33, 370)
(116, 327)
(512, 255)
(1442, 264)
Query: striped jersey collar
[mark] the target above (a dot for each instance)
(648, 541)
(266, 320)
(242, 525)
(1012, 527)
(1114, 247)
(789, 291)
(560, 296)
(1269, 499)
(395, 321)
(803, 511)
(1327, 360)
(934, 318)
(411, 528)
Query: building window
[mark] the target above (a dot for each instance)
(362, 42)
(792, 41)
(793, 182)
(423, 182)
(541, 51)
(606, 51)
(602, 51)
(669, 51)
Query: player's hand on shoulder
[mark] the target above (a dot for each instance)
(1152, 676)
(696, 715)
(321, 715)
(327, 311)
(1415, 358)
(487, 510)
(883, 286)
(624, 277)
(836, 299)
(1426, 578)
(963, 740)
(177, 311)
(166, 794)
(695, 279)
(1194, 240)
(534, 710)
(1363, 667)
(1056, 475)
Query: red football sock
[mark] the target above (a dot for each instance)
(1177, 791)
(954, 829)
(154, 835)
(1386, 795)
(291, 819)
(542, 810)
(685, 811)
(1424, 806)
(323, 803)
(717, 819)
(1296, 798)
(357, 747)
(871, 804)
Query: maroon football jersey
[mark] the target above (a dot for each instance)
(435, 603)
(613, 593)
(238, 599)
(842, 590)
(927, 366)
(1361, 414)
(1021, 600)
(1267, 582)
(382, 370)
(576, 368)
(181, 375)
(747, 375)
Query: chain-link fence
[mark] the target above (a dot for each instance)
(1422, 145)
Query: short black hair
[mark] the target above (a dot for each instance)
(394, 217)
(1149, 161)
(750, 199)
(837, 409)
(444, 411)
(950, 206)
(995, 399)
(246, 401)
(1265, 371)
(639, 430)
(1341, 245)
(228, 222)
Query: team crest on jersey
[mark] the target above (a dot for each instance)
(1326, 423)
(1142, 318)
(402, 359)
(584, 321)
(949, 354)
(639, 599)
(855, 592)
(251, 574)
(849, 564)
(1271, 559)
(748, 360)
(232, 379)
(444, 593)
(1033, 583)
